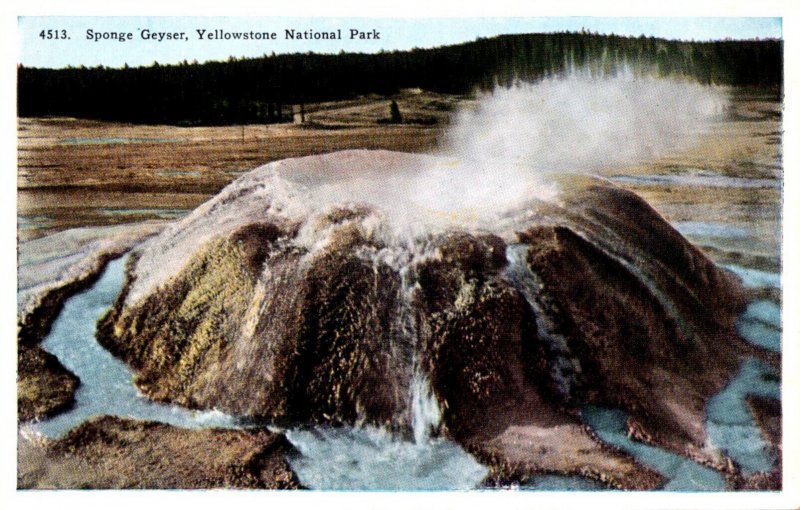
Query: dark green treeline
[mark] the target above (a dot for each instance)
(259, 89)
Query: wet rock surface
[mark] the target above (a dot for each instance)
(769, 417)
(475, 332)
(271, 332)
(117, 453)
(645, 315)
(631, 352)
(322, 314)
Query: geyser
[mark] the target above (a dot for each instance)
(251, 308)
(324, 289)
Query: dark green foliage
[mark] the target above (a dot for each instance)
(261, 89)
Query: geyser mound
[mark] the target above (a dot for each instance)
(265, 304)
(469, 294)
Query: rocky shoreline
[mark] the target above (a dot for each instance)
(51, 269)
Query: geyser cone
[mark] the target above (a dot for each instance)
(342, 288)
(265, 304)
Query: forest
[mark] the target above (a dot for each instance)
(262, 90)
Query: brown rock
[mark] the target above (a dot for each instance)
(117, 453)
(326, 351)
(648, 317)
(487, 366)
(44, 386)
(264, 309)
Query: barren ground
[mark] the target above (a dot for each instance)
(74, 172)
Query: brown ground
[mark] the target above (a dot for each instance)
(539, 440)
(118, 453)
(768, 416)
(747, 144)
(75, 172)
(44, 386)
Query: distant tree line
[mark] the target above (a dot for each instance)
(258, 90)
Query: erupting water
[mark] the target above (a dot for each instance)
(425, 412)
(496, 163)
(372, 459)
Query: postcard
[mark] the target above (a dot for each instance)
(529, 255)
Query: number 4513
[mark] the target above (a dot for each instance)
(53, 34)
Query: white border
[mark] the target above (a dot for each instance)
(787, 9)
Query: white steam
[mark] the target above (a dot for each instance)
(501, 151)
(500, 155)
(580, 123)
